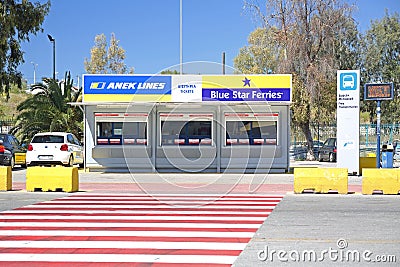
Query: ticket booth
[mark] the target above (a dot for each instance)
(187, 123)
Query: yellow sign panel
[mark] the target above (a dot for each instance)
(247, 81)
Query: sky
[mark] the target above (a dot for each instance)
(149, 33)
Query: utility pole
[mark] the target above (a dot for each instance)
(34, 71)
(180, 39)
(223, 63)
(51, 39)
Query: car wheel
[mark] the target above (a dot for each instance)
(70, 161)
(331, 157)
(320, 159)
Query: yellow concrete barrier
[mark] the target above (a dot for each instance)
(385, 180)
(5, 178)
(321, 180)
(367, 162)
(52, 179)
(20, 158)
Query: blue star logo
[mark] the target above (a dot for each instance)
(246, 82)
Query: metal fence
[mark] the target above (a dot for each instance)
(390, 133)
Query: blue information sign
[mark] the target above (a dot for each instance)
(252, 94)
(127, 84)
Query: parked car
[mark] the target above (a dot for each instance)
(328, 150)
(54, 148)
(299, 151)
(11, 151)
(316, 146)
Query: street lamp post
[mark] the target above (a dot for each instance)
(180, 39)
(51, 39)
(34, 71)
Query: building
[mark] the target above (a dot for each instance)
(189, 123)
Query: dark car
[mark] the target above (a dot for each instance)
(328, 150)
(316, 146)
(11, 152)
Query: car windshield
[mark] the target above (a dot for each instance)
(48, 139)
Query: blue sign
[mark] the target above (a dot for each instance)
(250, 94)
(348, 81)
(127, 84)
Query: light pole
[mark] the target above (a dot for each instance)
(51, 39)
(34, 71)
(180, 39)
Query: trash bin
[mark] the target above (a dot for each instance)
(387, 156)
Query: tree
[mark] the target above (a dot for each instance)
(105, 61)
(18, 19)
(381, 63)
(261, 55)
(48, 110)
(310, 39)
(169, 72)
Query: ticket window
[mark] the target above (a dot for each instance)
(251, 129)
(186, 129)
(121, 129)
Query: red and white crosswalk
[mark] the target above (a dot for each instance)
(132, 230)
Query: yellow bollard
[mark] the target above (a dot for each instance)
(5, 178)
(321, 180)
(385, 180)
(367, 162)
(52, 179)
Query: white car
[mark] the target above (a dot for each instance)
(54, 148)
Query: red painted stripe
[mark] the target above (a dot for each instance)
(237, 114)
(199, 222)
(200, 115)
(146, 209)
(127, 238)
(173, 197)
(162, 200)
(193, 205)
(162, 188)
(181, 229)
(106, 114)
(266, 114)
(106, 264)
(170, 115)
(136, 115)
(133, 251)
(136, 214)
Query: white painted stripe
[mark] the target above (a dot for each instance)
(125, 233)
(123, 244)
(172, 198)
(144, 225)
(206, 259)
(69, 206)
(177, 195)
(176, 203)
(161, 212)
(129, 217)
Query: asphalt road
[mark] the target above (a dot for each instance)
(304, 230)
(345, 230)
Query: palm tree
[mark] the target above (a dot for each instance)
(48, 109)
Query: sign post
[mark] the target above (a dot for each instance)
(378, 92)
(348, 120)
